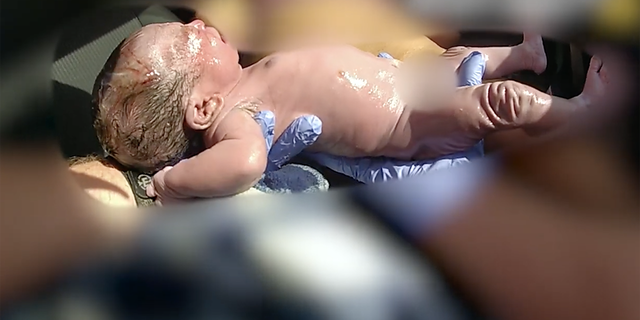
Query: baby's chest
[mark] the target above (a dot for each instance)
(331, 83)
(332, 78)
(321, 65)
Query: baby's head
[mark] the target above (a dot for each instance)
(160, 87)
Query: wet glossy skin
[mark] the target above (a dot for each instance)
(366, 106)
(352, 92)
(159, 49)
(369, 106)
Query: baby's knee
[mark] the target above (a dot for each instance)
(509, 103)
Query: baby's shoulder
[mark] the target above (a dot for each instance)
(238, 123)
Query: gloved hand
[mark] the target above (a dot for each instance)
(301, 133)
(471, 70)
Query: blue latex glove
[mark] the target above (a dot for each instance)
(471, 70)
(371, 170)
(301, 133)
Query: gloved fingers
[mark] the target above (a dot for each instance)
(301, 133)
(264, 118)
(384, 55)
(471, 69)
(309, 128)
(267, 121)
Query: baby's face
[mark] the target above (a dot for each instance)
(169, 46)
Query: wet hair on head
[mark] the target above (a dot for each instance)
(139, 115)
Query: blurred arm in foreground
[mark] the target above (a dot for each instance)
(48, 225)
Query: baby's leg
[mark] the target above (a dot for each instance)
(474, 112)
(512, 105)
(502, 61)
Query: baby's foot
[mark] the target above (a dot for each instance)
(534, 53)
(596, 83)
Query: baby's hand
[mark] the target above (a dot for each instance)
(158, 188)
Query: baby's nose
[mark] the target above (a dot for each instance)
(197, 24)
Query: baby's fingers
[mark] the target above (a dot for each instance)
(151, 190)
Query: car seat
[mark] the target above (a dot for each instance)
(83, 47)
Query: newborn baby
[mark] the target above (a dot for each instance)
(173, 85)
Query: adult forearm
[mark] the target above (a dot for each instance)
(47, 223)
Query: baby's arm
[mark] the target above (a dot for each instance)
(232, 165)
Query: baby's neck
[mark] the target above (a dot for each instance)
(248, 90)
(250, 86)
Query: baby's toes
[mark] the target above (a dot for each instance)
(604, 74)
(597, 73)
(595, 64)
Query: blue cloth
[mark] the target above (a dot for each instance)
(292, 178)
(305, 130)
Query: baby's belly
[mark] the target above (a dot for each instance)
(354, 96)
(362, 129)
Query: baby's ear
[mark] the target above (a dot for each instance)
(200, 112)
